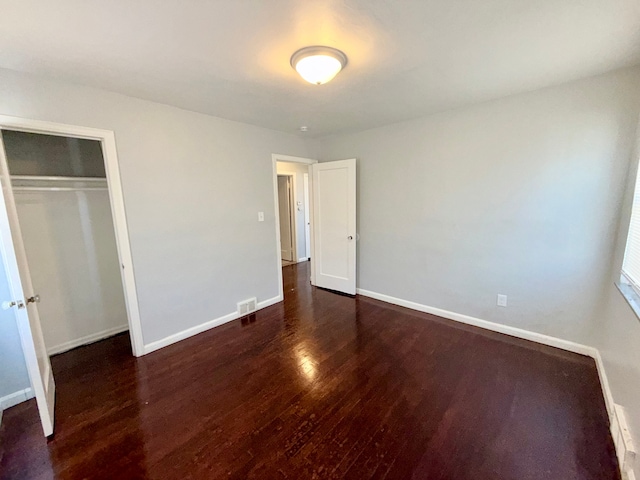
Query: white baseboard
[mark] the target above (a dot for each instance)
(478, 322)
(604, 382)
(15, 398)
(592, 352)
(303, 259)
(512, 331)
(622, 441)
(190, 332)
(94, 337)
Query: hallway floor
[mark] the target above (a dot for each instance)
(320, 386)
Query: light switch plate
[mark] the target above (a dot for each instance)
(261, 216)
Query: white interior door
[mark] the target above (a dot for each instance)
(286, 227)
(24, 300)
(334, 225)
(307, 215)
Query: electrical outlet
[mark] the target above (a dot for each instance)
(502, 300)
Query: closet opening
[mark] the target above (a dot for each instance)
(67, 227)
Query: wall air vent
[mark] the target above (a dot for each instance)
(247, 306)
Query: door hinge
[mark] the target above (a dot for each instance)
(8, 305)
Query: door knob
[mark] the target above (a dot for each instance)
(34, 299)
(8, 305)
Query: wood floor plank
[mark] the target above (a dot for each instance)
(320, 386)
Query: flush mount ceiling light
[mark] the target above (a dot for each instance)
(318, 64)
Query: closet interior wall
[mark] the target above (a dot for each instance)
(65, 216)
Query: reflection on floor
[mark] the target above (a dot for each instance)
(320, 386)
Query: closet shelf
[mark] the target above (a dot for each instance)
(58, 189)
(35, 183)
(37, 178)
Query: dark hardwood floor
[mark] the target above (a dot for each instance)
(321, 386)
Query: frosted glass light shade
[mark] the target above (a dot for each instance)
(318, 65)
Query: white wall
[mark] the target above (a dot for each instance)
(521, 196)
(517, 196)
(618, 327)
(298, 170)
(190, 183)
(618, 341)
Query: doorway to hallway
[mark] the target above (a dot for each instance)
(286, 214)
(315, 212)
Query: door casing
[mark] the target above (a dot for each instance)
(275, 158)
(116, 199)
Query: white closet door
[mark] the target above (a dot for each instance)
(24, 301)
(334, 217)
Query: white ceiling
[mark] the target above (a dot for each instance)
(407, 58)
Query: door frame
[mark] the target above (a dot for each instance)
(275, 158)
(291, 180)
(109, 152)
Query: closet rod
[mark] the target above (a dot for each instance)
(58, 189)
(58, 179)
